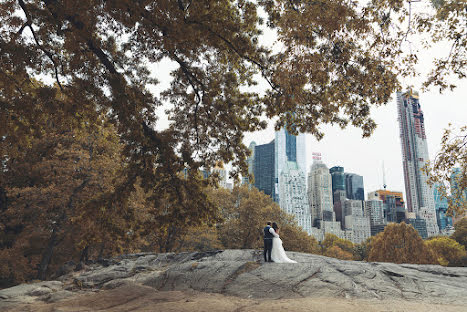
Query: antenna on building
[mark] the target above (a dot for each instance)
(384, 178)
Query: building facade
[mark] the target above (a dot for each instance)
(374, 210)
(419, 194)
(441, 207)
(263, 168)
(287, 148)
(338, 178)
(279, 171)
(354, 186)
(294, 201)
(355, 221)
(320, 194)
(393, 205)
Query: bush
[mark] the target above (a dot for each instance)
(446, 251)
(336, 252)
(331, 240)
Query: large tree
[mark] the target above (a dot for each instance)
(399, 243)
(58, 208)
(337, 58)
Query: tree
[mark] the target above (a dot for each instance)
(460, 234)
(245, 212)
(296, 239)
(447, 24)
(362, 251)
(337, 252)
(399, 243)
(331, 240)
(338, 60)
(452, 183)
(202, 238)
(58, 208)
(446, 251)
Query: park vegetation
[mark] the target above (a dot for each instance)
(88, 168)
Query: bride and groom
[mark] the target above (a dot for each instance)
(273, 245)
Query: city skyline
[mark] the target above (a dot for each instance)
(365, 156)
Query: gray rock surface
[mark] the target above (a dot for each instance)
(242, 273)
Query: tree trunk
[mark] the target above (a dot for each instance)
(46, 256)
(3, 199)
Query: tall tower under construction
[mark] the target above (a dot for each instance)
(420, 200)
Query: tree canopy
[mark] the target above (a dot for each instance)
(337, 60)
(399, 243)
(68, 65)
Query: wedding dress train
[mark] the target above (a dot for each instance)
(278, 253)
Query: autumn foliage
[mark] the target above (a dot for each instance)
(460, 233)
(446, 251)
(88, 170)
(399, 243)
(57, 208)
(245, 212)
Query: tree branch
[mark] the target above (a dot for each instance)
(41, 47)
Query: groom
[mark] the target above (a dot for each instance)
(268, 242)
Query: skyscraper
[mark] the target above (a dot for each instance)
(250, 160)
(393, 204)
(279, 171)
(354, 186)
(287, 148)
(441, 206)
(293, 199)
(320, 193)
(374, 210)
(338, 178)
(355, 222)
(263, 168)
(420, 201)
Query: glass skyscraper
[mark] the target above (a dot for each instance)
(420, 200)
(320, 194)
(354, 186)
(338, 178)
(263, 168)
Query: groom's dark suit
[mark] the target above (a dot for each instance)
(267, 243)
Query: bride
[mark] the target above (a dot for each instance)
(278, 253)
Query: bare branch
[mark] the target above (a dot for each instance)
(41, 47)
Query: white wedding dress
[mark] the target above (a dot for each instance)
(278, 253)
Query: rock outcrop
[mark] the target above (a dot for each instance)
(241, 273)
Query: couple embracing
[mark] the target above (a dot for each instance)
(273, 245)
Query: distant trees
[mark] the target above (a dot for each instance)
(335, 247)
(446, 251)
(246, 212)
(460, 233)
(399, 243)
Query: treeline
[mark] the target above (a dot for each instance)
(245, 212)
(66, 202)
